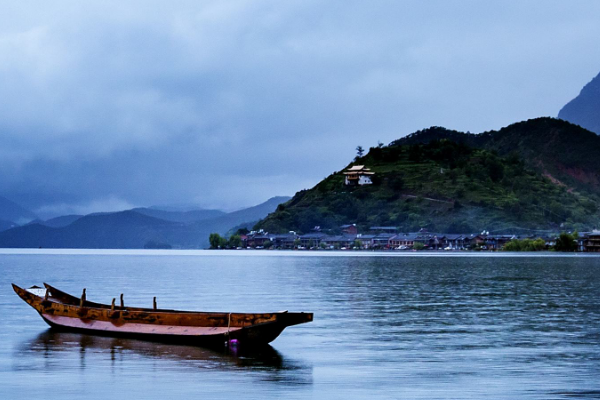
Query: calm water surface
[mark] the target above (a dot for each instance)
(385, 327)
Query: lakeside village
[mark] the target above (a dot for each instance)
(389, 238)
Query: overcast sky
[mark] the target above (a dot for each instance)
(108, 105)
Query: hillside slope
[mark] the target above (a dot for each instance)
(562, 151)
(450, 181)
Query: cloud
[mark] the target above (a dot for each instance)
(234, 102)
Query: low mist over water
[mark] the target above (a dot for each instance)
(384, 327)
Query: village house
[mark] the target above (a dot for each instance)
(349, 229)
(339, 242)
(477, 240)
(256, 239)
(549, 240)
(310, 240)
(591, 242)
(381, 241)
(432, 241)
(366, 241)
(462, 241)
(497, 242)
(402, 240)
(358, 175)
(284, 241)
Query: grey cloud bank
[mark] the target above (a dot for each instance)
(107, 105)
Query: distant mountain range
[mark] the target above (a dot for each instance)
(180, 216)
(59, 222)
(584, 110)
(4, 225)
(136, 228)
(541, 174)
(13, 213)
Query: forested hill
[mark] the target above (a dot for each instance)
(562, 151)
(527, 176)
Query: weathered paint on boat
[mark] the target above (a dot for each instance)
(64, 311)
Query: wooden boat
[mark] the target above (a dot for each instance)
(66, 312)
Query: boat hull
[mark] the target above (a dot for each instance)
(197, 328)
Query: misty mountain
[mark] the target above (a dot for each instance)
(246, 216)
(4, 225)
(179, 207)
(180, 216)
(11, 211)
(62, 221)
(129, 229)
(125, 229)
(584, 110)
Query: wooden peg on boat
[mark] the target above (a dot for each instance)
(154, 302)
(122, 303)
(82, 301)
(112, 305)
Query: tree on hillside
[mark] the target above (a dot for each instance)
(360, 151)
(242, 231)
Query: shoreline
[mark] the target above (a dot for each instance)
(295, 253)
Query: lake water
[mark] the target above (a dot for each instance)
(415, 327)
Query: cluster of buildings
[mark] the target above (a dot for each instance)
(388, 238)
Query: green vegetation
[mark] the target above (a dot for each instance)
(235, 241)
(359, 151)
(525, 245)
(418, 246)
(445, 185)
(219, 242)
(567, 242)
(567, 153)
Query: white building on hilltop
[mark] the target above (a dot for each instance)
(358, 175)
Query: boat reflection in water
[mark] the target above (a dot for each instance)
(122, 351)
